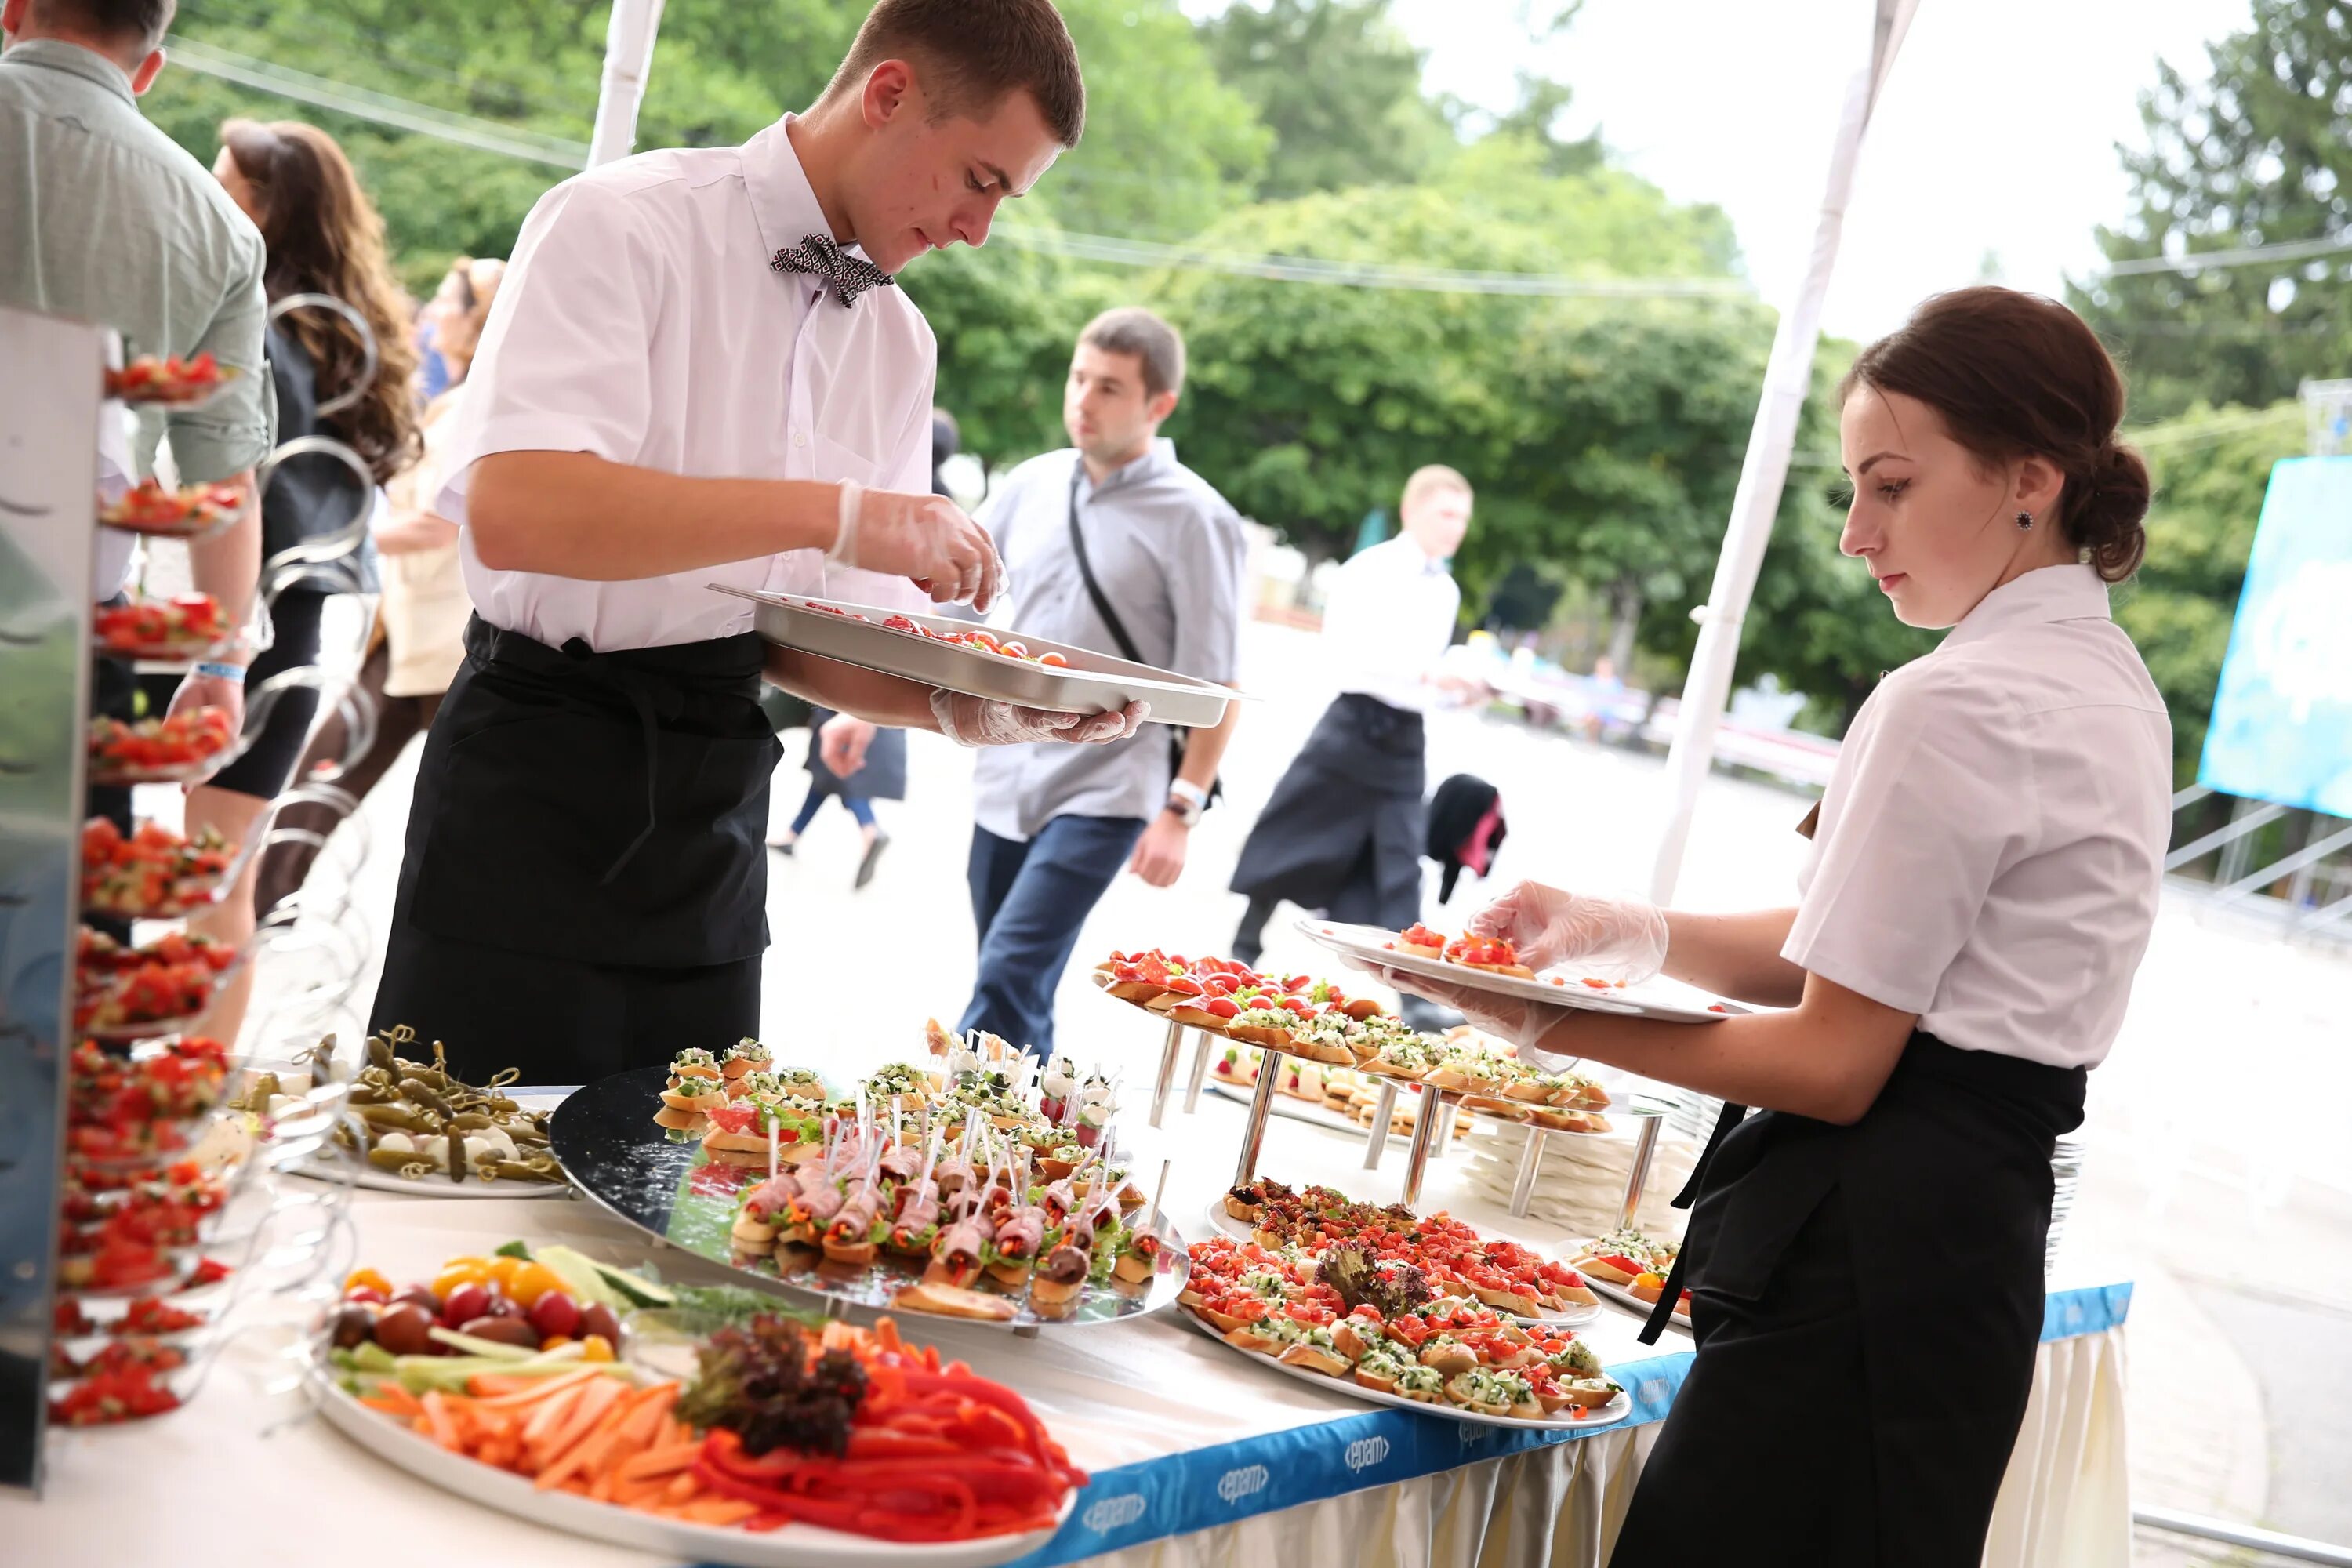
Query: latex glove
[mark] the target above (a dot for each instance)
(842, 742)
(1610, 939)
(1519, 1025)
(978, 721)
(926, 539)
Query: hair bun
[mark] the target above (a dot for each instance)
(2107, 522)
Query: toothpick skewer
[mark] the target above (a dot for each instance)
(1157, 1193)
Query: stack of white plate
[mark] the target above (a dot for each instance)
(2066, 1173)
(1581, 1185)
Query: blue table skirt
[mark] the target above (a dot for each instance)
(1209, 1486)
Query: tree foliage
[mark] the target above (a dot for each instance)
(1339, 85)
(2211, 468)
(2255, 154)
(1604, 433)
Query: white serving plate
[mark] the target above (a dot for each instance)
(1091, 683)
(1609, 1414)
(792, 1546)
(1574, 1317)
(330, 1168)
(1315, 1114)
(1372, 943)
(1626, 1298)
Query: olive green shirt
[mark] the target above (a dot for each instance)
(105, 219)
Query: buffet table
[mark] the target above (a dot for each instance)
(1197, 1456)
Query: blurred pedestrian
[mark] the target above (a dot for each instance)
(420, 633)
(321, 236)
(1343, 833)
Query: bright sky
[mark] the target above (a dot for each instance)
(1996, 132)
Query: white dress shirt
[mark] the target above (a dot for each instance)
(639, 321)
(1387, 620)
(1991, 847)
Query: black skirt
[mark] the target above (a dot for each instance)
(1867, 1304)
(585, 858)
(1342, 832)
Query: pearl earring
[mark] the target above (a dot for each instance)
(2024, 521)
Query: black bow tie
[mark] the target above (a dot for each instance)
(844, 274)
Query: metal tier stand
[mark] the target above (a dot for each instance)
(1203, 1043)
(1637, 1176)
(1431, 1127)
(1269, 1072)
(1164, 1083)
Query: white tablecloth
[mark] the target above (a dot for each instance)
(1182, 1433)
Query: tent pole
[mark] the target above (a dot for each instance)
(1788, 378)
(628, 57)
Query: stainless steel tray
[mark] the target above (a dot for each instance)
(1094, 683)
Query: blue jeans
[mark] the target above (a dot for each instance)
(1029, 900)
(859, 807)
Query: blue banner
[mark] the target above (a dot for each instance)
(2282, 728)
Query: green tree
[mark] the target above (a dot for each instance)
(1339, 85)
(1166, 143)
(2210, 468)
(2254, 154)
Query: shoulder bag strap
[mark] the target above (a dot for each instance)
(1086, 572)
(1118, 628)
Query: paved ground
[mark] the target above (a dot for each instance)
(2218, 1167)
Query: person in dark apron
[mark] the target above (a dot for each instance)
(1865, 1250)
(1342, 833)
(699, 374)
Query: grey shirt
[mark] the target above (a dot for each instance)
(1168, 552)
(105, 219)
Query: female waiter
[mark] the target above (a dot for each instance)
(1865, 1258)
(692, 375)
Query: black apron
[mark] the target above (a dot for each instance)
(1867, 1304)
(1342, 832)
(585, 857)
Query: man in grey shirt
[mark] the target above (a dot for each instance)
(105, 219)
(1053, 827)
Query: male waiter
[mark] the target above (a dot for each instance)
(1342, 833)
(698, 372)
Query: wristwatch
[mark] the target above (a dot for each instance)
(1187, 800)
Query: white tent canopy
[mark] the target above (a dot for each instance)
(628, 57)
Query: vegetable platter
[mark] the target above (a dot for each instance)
(792, 1441)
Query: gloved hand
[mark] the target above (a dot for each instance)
(1519, 1025)
(926, 539)
(978, 721)
(1610, 939)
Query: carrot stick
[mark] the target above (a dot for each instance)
(549, 1415)
(439, 1424)
(595, 1399)
(660, 1461)
(594, 1441)
(682, 1485)
(547, 1389)
(391, 1397)
(645, 1422)
(630, 1494)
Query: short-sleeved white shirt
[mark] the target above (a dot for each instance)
(1387, 620)
(640, 321)
(1990, 849)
